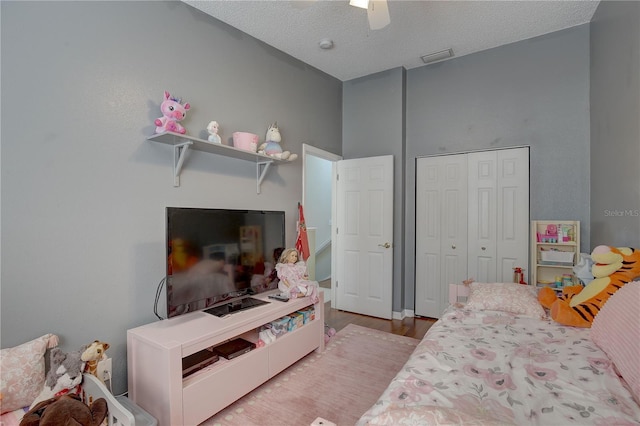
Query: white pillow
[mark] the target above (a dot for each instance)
(22, 368)
(508, 297)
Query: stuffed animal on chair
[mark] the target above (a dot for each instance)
(577, 306)
(94, 353)
(65, 373)
(66, 410)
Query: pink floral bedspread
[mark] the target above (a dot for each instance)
(488, 368)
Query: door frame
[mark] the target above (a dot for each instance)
(310, 150)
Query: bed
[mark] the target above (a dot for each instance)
(499, 360)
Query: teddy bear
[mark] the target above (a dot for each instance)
(577, 306)
(66, 410)
(271, 145)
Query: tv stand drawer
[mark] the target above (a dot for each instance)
(216, 389)
(291, 347)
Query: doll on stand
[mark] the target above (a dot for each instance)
(294, 279)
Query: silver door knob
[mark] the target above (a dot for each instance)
(385, 245)
(484, 248)
(453, 246)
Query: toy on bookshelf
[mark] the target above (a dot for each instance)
(561, 233)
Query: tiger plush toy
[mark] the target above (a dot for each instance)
(577, 306)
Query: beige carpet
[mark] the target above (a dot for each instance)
(339, 384)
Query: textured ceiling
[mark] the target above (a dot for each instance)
(417, 28)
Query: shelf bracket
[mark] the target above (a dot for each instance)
(261, 171)
(179, 153)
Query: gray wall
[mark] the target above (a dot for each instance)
(373, 125)
(83, 192)
(615, 127)
(534, 92)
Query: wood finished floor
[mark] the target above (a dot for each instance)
(410, 327)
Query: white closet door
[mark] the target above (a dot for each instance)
(482, 216)
(441, 230)
(498, 213)
(472, 220)
(513, 213)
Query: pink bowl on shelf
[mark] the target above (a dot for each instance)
(245, 141)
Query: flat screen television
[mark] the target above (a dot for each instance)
(218, 256)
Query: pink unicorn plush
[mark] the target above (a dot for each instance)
(172, 111)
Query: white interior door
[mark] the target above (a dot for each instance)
(365, 236)
(441, 230)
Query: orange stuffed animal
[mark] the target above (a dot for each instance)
(577, 306)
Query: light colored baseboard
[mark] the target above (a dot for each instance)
(407, 313)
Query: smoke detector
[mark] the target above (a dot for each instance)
(326, 43)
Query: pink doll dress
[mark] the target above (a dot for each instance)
(294, 281)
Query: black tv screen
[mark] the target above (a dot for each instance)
(215, 256)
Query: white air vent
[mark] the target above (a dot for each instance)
(437, 56)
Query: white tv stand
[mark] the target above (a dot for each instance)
(155, 352)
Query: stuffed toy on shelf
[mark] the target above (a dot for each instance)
(173, 111)
(577, 306)
(213, 128)
(271, 145)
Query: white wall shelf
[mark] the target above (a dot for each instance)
(182, 143)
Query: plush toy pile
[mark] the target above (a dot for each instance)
(577, 306)
(65, 373)
(66, 368)
(66, 410)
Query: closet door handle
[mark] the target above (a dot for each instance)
(385, 245)
(453, 246)
(484, 248)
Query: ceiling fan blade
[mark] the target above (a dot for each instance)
(378, 14)
(362, 4)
